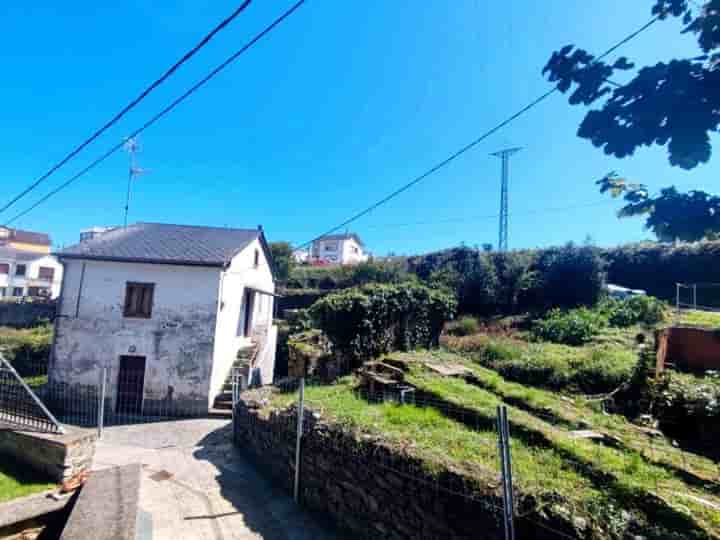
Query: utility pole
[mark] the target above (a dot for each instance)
(131, 147)
(504, 155)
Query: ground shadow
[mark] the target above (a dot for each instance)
(267, 509)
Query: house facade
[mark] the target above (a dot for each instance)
(26, 267)
(166, 310)
(338, 249)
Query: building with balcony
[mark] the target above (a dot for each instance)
(26, 267)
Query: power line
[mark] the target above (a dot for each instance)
(470, 145)
(164, 111)
(130, 105)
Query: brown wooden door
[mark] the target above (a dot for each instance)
(131, 382)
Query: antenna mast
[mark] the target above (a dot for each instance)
(504, 156)
(131, 147)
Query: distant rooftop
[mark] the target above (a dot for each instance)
(164, 243)
(14, 254)
(26, 237)
(346, 236)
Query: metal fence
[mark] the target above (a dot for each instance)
(30, 399)
(20, 406)
(697, 297)
(602, 461)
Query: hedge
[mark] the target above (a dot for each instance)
(656, 268)
(365, 322)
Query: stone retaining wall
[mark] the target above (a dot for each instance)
(368, 489)
(59, 456)
(23, 314)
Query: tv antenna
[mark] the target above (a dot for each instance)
(132, 147)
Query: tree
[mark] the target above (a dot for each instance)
(671, 215)
(282, 257)
(675, 104)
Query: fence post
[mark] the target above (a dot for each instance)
(101, 401)
(300, 414)
(694, 295)
(677, 300)
(506, 471)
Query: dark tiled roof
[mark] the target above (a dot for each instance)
(342, 237)
(164, 243)
(26, 237)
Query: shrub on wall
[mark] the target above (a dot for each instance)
(365, 322)
(27, 349)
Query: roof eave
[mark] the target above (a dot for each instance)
(76, 256)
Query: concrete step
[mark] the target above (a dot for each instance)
(224, 404)
(224, 396)
(219, 413)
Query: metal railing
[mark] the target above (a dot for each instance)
(20, 407)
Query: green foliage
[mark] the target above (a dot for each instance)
(465, 326)
(27, 348)
(282, 259)
(573, 327)
(368, 321)
(343, 277)
(674, 103)
(670, 215)
(590, 369)
(507, 283)
(656, 268)
(569, 276)
(688, 401)
(646, 310)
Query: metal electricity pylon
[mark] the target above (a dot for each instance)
(504, 155)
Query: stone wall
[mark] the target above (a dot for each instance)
(368, 489)
(59, 456)
(25, 314)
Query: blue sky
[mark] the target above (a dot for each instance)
(343, 103)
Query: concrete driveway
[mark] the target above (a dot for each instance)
(195, 485)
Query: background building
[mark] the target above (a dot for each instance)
(339, 249)
(26, 267)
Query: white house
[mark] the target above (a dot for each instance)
(28, 274)
(167, 309)
(339, 249)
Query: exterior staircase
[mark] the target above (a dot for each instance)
(222, 406)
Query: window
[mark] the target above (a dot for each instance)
(38, 292)
(20, 270)
(4, 268)
(17, 291)
(46, 273)
(330, 247)
(139, 300)
(257, 258)
(3, 292)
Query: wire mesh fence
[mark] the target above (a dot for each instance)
(568, 476)
(697, 304)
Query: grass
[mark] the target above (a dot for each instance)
(591, 369)
(595, 481)
(693, 317)
(17, 480)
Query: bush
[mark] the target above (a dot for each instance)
(363, 323)
(465, 326)
(28, 350)
(568, 277)
(573, 327)
(328, 278)
(637, 309)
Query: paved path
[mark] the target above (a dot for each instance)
(196, 486)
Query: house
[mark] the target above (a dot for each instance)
(26, 267)
(167, 310)
(301, 256)
(338, 249)
(92, 232)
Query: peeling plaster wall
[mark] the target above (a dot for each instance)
(177, 340)
(241, 273)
